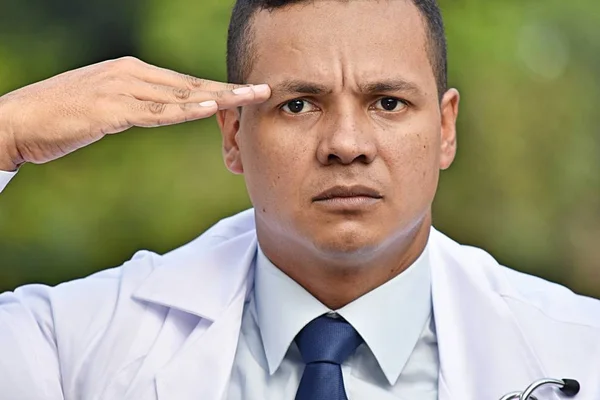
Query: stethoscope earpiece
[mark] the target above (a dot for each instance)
(570, 387)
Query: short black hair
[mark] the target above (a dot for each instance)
(240, 53)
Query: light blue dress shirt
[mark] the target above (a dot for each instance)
(399, 359)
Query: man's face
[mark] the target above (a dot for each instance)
(344, 158)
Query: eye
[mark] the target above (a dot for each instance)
(298, 106)
(390, 104)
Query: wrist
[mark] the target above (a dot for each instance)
(6, 163)
(8, 148)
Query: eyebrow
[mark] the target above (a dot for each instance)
(390, 85)
(297, 86)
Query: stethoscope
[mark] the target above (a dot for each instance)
(569, 387)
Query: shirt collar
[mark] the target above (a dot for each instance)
(390, 318)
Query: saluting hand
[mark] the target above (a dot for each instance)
(49, 119)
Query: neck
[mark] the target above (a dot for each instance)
(338, 282)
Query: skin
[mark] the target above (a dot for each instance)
(342, 248)
(52, 118)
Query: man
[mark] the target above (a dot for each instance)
(335, 286)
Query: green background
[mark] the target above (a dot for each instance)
(525, 186)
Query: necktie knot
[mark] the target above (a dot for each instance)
(328, 340)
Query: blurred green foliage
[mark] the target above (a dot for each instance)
(525, 186)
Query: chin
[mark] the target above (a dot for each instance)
(347, 244)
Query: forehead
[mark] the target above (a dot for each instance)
(341, 41)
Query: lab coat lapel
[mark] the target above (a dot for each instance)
(483, 352)
(214, 289)
(202, 368)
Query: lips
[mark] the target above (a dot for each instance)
(348, 191)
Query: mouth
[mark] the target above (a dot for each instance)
(348, 193)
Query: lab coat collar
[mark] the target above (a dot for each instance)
(471, 316)
(202, 279)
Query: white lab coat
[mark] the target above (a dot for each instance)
(166, 327)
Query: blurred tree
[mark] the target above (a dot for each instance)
(41, 38)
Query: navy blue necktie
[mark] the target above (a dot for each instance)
(325, 343)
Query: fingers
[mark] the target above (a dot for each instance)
(166, 77)
(153, 96)
(152, 114)
(226, 99)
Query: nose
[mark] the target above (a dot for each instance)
(347, 140)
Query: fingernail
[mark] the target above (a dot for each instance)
(260, 89)
(242, 90)
(210, 103)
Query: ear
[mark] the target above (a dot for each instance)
(229, 123)
(449, 114)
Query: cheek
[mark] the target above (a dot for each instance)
(413, 160)
(273, 167)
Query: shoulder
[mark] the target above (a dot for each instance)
(523, 292)
(100, 288)
(108, 283)
(81, 310)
